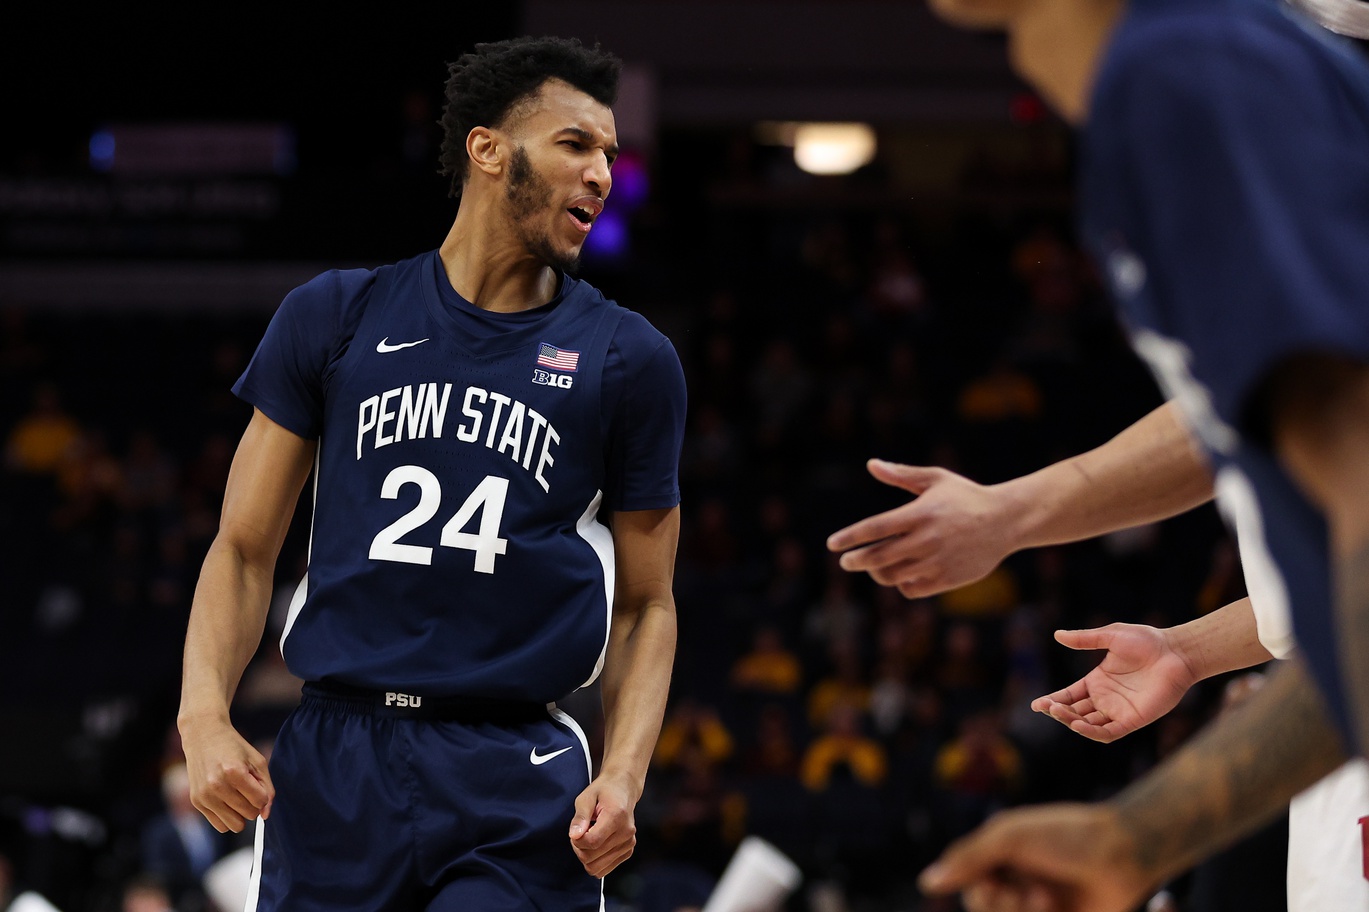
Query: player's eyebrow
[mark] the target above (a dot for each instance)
(588, 137)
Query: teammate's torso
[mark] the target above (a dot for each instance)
(455, 549)
(1225, 196)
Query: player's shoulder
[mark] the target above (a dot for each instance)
(634, 337)
(1194, 48)
(331, 292)
(332, 303)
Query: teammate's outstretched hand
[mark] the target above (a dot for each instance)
(1140, 679)
(953, 533)
(603, 832)
(229, 782)
(1049, 858)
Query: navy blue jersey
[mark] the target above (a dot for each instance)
(1225, 191)
(463, 459)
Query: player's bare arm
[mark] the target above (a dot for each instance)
(636, 682)
(1320, 415)
(956, 531)
(1147, 670)
(229, 782)
(1106, 857)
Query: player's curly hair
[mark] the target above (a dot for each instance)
(485, 85)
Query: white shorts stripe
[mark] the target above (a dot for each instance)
(254, 885)
(568, 722)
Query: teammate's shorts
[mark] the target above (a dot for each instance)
(447, 806)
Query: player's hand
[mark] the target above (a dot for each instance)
(229, 782)
(1049, 858)
(603, 832)
(953, 533)
(1139, 680)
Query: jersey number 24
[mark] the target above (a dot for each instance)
(486, 543)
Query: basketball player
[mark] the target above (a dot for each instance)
(956, 531)
(472, 416)
(1225, 188)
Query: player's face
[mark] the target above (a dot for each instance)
(559, 172)
(978, 14)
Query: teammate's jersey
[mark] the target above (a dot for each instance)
(1225, 192)
(463, 459)
(1327, 844)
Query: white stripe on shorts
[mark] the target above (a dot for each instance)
(565, 719)
(254, 885)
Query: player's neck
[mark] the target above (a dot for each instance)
(1056, 45)
(493, 269)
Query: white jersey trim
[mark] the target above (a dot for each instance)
(302, 590)
(1264, 583)
(601, 540)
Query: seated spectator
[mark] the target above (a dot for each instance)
(843, 745)
(977, 772)
(993, 596)
(963, 673)
(179, 845)
(1003, 394)
(41, 438)
(145, 893)
(702, 821)
(773, 751)
(837, 614)
(691, 724)
(769, 667)
(845, 684)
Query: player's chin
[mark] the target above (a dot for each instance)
(977, 14)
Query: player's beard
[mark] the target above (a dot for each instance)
(530, 196)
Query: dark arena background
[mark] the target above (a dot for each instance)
(165, 180)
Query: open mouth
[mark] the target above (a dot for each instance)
(584, 211)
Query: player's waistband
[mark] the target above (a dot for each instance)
(360, 701)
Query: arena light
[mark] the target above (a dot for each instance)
(833, 148)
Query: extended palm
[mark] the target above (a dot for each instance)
(1139, 680)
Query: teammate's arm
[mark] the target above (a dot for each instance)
(1319, 408)
(636, 682)
(956, 531)
(229, 782)
(1147, 670)
(1104, 857)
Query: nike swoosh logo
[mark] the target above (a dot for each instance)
(539, 759)
(383, 345)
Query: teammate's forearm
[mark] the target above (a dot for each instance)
(1148, 472)
(1220, 641)
(1319, 409)
(636, 683)
(227, 618)
(1352, 610)
(1235, 775)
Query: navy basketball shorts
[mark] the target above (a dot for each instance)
(442, 807)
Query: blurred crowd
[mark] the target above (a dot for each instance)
(854, 729)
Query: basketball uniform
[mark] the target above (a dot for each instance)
(460, 580)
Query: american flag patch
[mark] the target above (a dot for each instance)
(557, 358)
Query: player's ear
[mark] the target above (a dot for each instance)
(486, 150)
